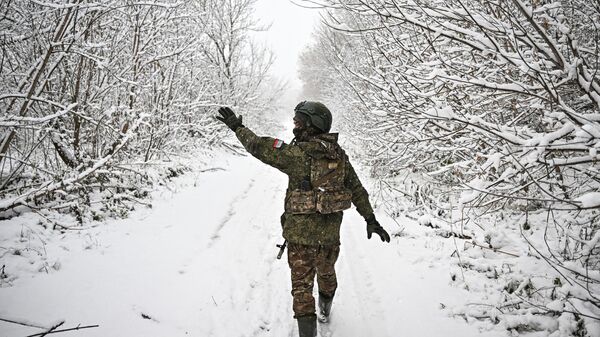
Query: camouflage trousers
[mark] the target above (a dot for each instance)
(306, 261)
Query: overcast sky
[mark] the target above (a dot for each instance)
(290, 32)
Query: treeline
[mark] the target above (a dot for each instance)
(94, 92)
(475, 113)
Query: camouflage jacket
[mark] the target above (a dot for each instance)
(291, 159)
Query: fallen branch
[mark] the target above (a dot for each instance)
(33, 325)
(212, 169)
(475, 244)
(447, 234)
(71, 228)
(50, 330)
(494, 320)
(62, 330)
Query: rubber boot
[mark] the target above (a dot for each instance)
(324, 307)
(307, 326)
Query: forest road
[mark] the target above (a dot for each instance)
(202, 262)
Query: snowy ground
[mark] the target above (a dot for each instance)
(202, 262)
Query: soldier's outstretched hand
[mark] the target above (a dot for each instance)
(229, 118)
(373, 226)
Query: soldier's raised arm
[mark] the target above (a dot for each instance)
(270, 151)
(360, 199)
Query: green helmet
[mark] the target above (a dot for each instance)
(318, 114)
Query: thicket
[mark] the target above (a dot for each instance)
(478, 113)
(96, 94)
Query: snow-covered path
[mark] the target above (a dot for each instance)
(202, 263)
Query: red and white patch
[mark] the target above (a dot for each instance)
(278, 143)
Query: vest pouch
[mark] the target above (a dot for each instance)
(333, 201)
(301, 202)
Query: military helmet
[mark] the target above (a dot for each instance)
(318, 114)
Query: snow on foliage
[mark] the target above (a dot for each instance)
(589, 200)
(102, 93)
(491, 120)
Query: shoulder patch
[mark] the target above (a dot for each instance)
(278, 143)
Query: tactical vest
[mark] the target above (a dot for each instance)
(324, 190)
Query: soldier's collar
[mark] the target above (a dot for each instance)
(328, 137)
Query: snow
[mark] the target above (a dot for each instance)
(493, 160)
(425, 220)
(591, 130)
(379, 113)
(445, 112)
(588, 200)
(201, 262)
(475, 188)
(552, 136)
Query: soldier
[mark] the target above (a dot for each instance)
(322, 183)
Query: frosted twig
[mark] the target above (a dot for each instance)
(50, 330)
(24, 323)
(63, 330)
(547, 310)
(545, 258)
(460, 263)
(71, 228)
(212, 169)
(475, 244)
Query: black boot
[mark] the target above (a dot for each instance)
(307, 326)
(324, 307)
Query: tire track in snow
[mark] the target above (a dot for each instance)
(231, 211)
(242, 246)
(357, 296)
(268, 287)
(215, 236)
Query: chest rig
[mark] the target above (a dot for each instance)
(323, 191)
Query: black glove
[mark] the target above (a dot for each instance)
(374, 227)
(229, 118)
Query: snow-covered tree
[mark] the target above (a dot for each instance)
(484, 108)
(93, 92)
